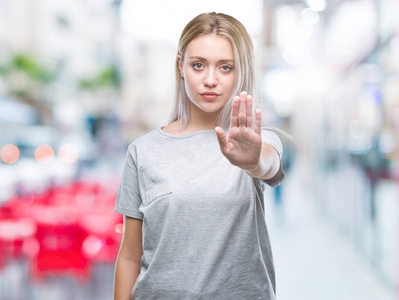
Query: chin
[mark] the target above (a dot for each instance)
(211, 109)
(208, 107)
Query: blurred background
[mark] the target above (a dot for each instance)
(80, 80)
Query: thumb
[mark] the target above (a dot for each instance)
(221, 139)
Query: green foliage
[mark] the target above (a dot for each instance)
(20, 94)
(29, 65)
(108, 77)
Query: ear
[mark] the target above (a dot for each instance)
(180, 62)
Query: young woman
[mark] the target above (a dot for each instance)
(192, 191)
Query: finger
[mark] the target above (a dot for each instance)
(242, 113)
(249, 111)
(234, 112)
(258, 121)
(221, 139)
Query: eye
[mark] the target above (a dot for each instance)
(226, 68)
(198, 66)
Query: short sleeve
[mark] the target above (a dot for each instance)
(270, 137)
(128, 199)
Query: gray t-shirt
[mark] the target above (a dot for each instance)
(204, 232)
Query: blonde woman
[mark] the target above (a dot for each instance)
(192, 192)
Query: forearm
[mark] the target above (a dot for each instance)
(268, 166)
(126, 273)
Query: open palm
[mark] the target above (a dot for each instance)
(243, 145)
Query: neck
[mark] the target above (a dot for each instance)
(200, 120)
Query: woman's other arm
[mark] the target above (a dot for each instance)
(127, 266)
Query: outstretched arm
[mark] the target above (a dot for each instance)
(244, 147)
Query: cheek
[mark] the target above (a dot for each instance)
(188, 86)
(230, 84)
(190, 83)
(189, 90)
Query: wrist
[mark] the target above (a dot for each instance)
(257, 171)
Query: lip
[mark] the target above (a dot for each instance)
(209, 95)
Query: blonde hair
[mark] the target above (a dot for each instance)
(230, 28)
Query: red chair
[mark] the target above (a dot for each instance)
(60, 252)
(75, 226)
(13, 234)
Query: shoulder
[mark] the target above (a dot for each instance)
(140, 146)
(144, 141)
(269, 131)
(173, 128)
(145, 138)
(270, 136)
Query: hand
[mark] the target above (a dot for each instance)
(244, 143)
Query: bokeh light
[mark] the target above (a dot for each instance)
(9, 153)
(68, 153)
(303, 29)
(92, 245)
(317, 5)
(357, 128)
(310, 16)
(30, 247)
(44, 154)
(119, 228)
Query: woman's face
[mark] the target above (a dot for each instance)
(209, 73)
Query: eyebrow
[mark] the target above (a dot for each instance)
(204, 59)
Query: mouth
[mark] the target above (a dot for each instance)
(210, 95)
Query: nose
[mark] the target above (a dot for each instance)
(210, 79)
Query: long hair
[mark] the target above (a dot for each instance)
(231, 29)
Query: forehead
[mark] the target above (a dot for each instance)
(210, 46)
